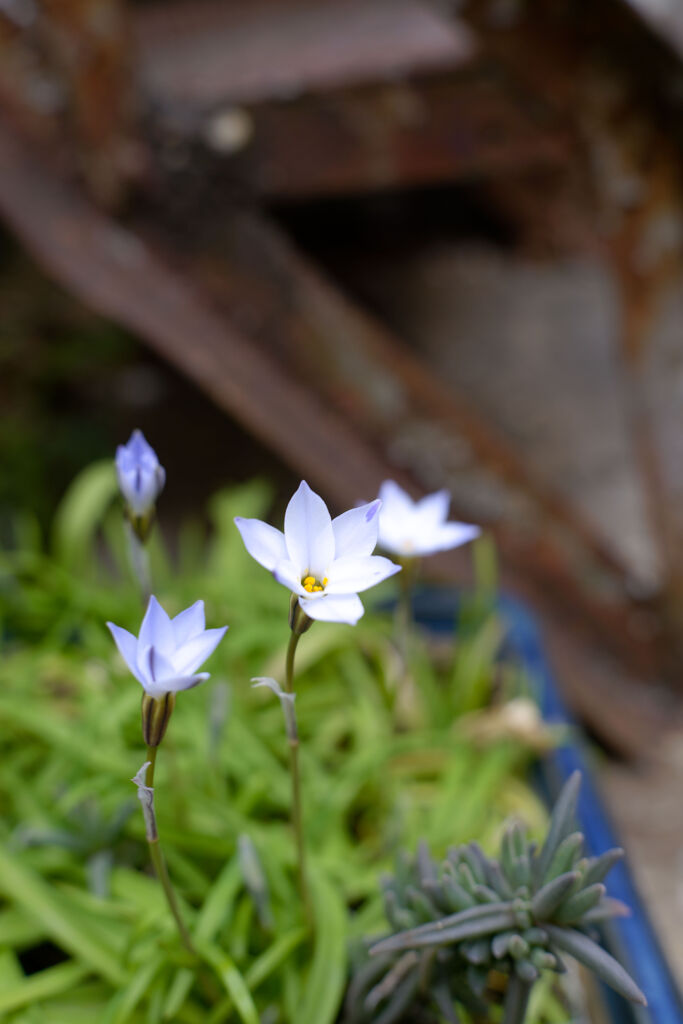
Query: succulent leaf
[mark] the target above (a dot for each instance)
(509, 919)
(599, 867)
(565, 855)
(435, 935)
(548, 899)
(579, 904)
(561, 822)
(593, 956)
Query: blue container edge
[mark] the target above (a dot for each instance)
(632, 939)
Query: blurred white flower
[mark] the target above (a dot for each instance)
(141, 476)
(411, 529)
(324, 561)
(165, 657)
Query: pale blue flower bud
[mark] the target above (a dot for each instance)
(141, 476)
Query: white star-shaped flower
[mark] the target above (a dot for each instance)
(326, 562)
(165, 657)
(410, 528)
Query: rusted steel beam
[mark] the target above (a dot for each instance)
(323, 431)
(202, 54)
(66, 75)
(631, 162)
(437, 129)
(115, 272)
(665, 17)
(342, 124)
(374, 381)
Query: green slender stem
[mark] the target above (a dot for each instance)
(139, 557)
(407, 707)
(159, 863)
(516, 1000)
(297, 820)
(404, 605)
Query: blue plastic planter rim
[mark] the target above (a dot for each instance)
(631, 939)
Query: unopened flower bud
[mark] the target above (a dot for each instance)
(141, 479)
(156, 713)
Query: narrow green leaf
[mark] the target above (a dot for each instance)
(216, 908)
(56, 732)
(26, 888)
(11, 972)
(43, 985)
(18, 929)
(81, 512)
(261, 969)
(324, 987)
(270, 960)
(232, 980)
(598, 960)
(125, 1001)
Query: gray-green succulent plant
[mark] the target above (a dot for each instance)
(474, 931)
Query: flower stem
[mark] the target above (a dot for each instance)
(139, 558)
(404, 606)
(297, 822)
(160, 864)
(407, 708)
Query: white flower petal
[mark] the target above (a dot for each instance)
(188, 623)
(185, 682)
(433, 508)
(263, 542)
(351, 575)
(394, 540)
(308, 532)
(394, 499)
(156, 630)
(355, 531)
(334, 608)
(128, 647)
(174, 684)
(288, 574)
(195, 652)
(445, 537)
(157, 670)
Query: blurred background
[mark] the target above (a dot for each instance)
(352, 239)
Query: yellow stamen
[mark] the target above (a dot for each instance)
(308, 579)
(308, 587)
(316, 589)
(325, 582)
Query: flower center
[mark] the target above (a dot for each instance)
(312, 585)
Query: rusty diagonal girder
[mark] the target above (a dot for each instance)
(123, 277)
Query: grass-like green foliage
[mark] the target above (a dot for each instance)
(85, 934)
(472, 919)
